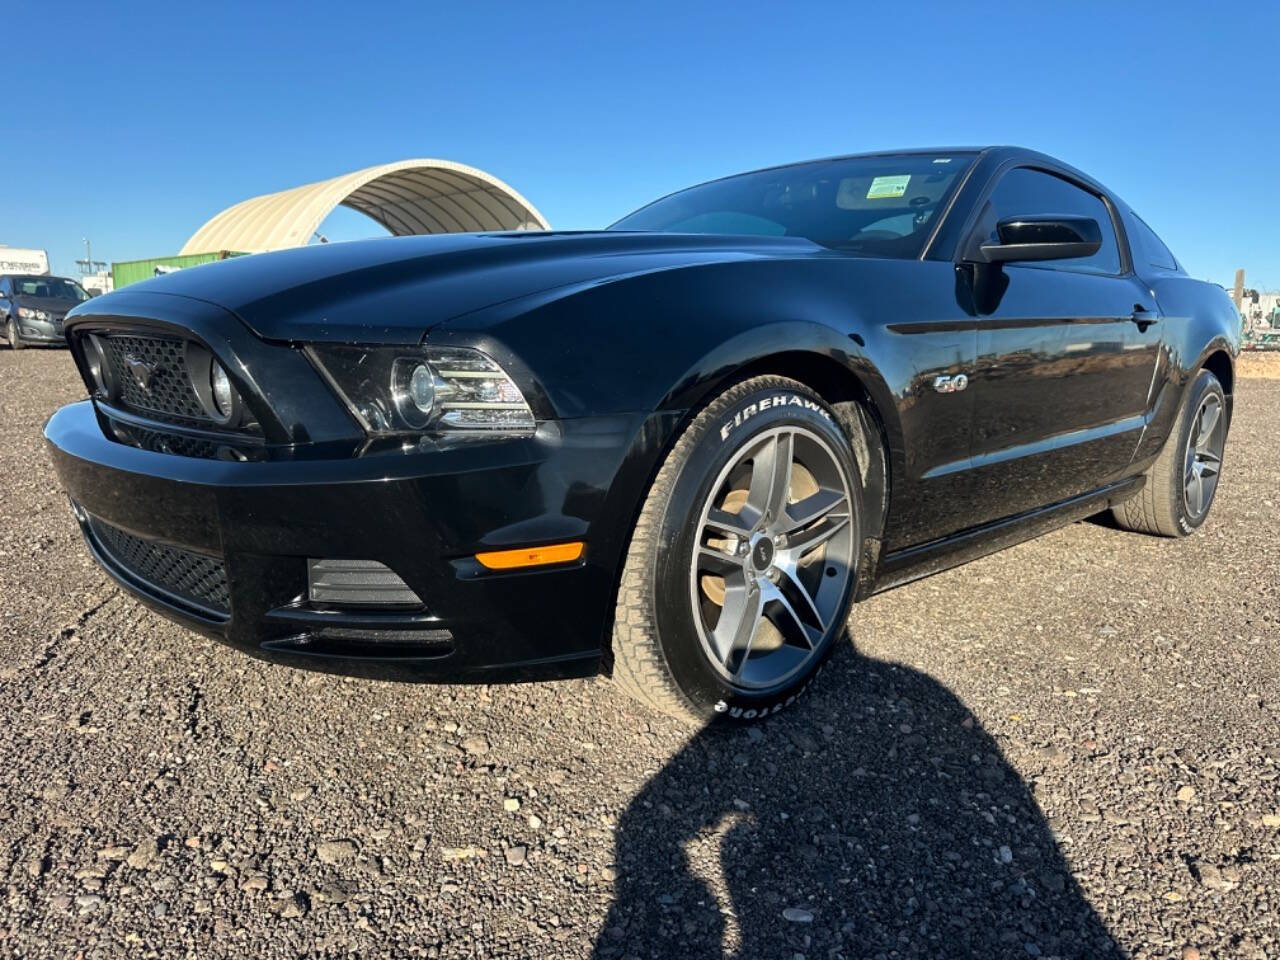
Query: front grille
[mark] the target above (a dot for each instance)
(149, 378)
(169, 394)
(193, 577)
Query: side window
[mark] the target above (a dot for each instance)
(1025, 192)
(4, 286)
(1150, 247)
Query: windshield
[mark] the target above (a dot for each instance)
(881, 206)
(55, 288)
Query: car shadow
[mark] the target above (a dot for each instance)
(875, 818)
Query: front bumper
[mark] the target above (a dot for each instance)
(40, 331)
(423, 512)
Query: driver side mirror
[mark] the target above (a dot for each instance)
(1026, 239)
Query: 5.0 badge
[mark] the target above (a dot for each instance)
(951, 384)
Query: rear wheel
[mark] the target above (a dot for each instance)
(741, 568)
(1183, 481)
(11, 333)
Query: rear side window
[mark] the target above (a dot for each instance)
(1150, 247)
(1025, 192)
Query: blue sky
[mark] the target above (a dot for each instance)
(132, 124)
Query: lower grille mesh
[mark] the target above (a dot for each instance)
(188, 576)
(174, 443)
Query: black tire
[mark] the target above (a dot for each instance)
(11, 333)
(661, 652)
(1161, 508)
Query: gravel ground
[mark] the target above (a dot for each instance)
(1261, 363)
(1068, 749)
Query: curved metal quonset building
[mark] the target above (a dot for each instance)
(409, 197)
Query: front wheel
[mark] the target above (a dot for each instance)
(11, 334)
(741, 568)
(1183, 481)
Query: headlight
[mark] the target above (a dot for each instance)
(413, 390)
(399, 390)
(28, 314)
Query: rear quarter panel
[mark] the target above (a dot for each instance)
(1198, 321)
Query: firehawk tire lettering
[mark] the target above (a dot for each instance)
(769, 403)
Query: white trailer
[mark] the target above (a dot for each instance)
(23, 260)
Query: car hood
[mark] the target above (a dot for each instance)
(392, 290)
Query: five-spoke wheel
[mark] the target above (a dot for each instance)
(1204, 455)
(743, 562)
(775, 550)
(1182, 482)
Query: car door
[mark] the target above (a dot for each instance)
(1066, 356)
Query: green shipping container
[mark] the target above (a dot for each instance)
(131, 271)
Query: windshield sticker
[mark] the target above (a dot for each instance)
(942, 160)
(885, 187)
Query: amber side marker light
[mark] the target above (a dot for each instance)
(531, 556)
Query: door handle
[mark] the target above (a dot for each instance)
(1143, 317)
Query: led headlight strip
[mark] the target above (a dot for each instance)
(393, 390)
(475, 393)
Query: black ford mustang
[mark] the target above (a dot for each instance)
(676, 450)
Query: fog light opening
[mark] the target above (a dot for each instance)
(362, 583)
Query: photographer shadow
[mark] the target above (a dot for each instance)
(874, 818)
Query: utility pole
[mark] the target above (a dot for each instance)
(88, 264)
(1237, 294)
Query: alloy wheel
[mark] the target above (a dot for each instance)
(1204, 455)
(773, 558)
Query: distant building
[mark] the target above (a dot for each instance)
(411, 197)
(1262, 311)
(97, 284)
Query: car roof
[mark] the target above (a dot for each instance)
(911, 151)
(997, 155)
